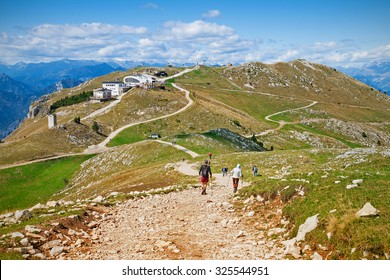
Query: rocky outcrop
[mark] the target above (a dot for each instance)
(240, 142)
(39, 107)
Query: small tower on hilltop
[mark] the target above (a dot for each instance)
(52, 121)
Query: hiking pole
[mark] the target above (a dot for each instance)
(228, 180)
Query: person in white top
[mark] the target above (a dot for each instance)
(236, 175)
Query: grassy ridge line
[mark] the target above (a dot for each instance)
(24, 186)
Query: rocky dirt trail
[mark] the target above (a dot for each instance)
(183, 225)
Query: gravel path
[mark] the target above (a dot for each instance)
(183, 225)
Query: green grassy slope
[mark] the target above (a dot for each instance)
(24, 186)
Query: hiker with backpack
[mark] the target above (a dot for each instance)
(224, 171)
(255, 169)
(205, 175)
(236, 175)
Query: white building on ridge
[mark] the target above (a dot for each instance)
(137, 80)
(102, 94)
(117, 88)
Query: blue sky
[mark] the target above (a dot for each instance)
(337, 33)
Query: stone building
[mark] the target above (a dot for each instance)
(52, 121)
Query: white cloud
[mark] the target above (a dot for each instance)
(84, 30)
(176, 42)
(212, 14)
(289, 55)
(329, 44)
(196, 30)
(151, 6)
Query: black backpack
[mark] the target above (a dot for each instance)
(205, 171)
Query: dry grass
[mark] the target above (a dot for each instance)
(339, 226)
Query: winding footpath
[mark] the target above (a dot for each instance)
(282, 123)
(185, 226)
(102, 146)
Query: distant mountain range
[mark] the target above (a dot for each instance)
(15, 98)
(22, 83)
(376, 75)
(40, 76)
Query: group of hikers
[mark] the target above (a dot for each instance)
(206, 174)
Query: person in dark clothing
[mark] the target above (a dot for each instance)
(254, 170)
(205, 174)
(224, 171)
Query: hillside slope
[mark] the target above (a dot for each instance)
(320, 139)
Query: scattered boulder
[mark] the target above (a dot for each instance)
(309, 225)
(24, 242)
(17, 234)
(316, 257)
(357, 182)
(52, 244)
(32, 229)
(351, 186)
(93, 224)
(98, 199)
(52, 204)
(56, 250)
(291, 248)
(23, 215)
(38, 206)
(39, 256)
(367, 211)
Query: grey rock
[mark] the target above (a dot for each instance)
(36, 236)
(357, 182)
(17, 234)
(32, 229)
(93, 224)
(290, 247)
(351, 186)
(51, 244)
(98, 199)
(316, 257)
(367, 211)
(39, 256)
(56, 250)
(24, 242)
(307, 226)
(52, 204)
(79, 242)
(38, 206)
(23, 215)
